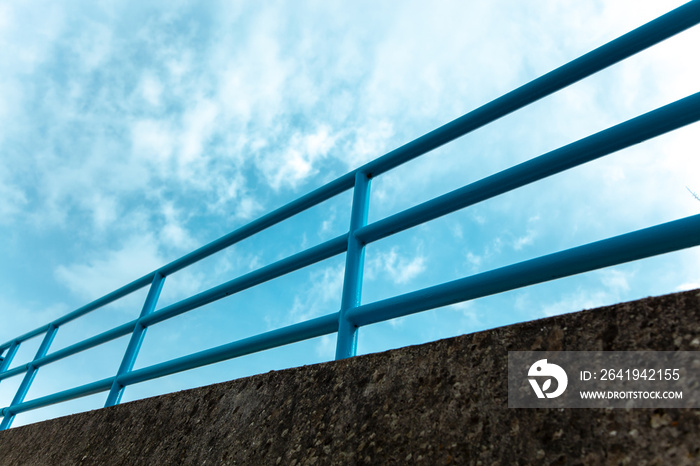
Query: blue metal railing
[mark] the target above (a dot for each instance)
(672, 236)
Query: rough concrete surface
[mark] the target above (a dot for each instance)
(439, 403)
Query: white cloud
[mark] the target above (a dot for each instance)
(320, 296)
(109, 270)
(6, 18)
(298, 160)
(21, 317)
(93, 44)
(470, 313)
(12, 199)
(525, 240)
(577, 301)
(398, 322)
(688, 271)
(246, 208)
(255, 77)
(611, 288)
(474, 260)
(687, 286)
(151, 89)
(399, 269)
(369, 142)
(288, 169)
(325, 348)
(28, 33)
(113, 269)
(528, 239)
(105, 210)
(198, 126)
(331, 222)
(153, 140)
(616, 281)
(173, 233)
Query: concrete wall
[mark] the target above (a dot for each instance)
(439, 403)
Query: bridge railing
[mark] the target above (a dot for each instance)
(352, 314)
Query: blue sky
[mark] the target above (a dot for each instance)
(134, 132)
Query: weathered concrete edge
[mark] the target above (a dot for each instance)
(441, 402)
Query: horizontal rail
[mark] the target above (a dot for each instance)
(83, 345)
(623, 47)
(660, 239)
(21, 369)
(651, 33)
(312, 199)
(27, 336)
(283, 336)
(642, 128)
(107, 299)
(66, 395)
(291, 334)
(88, 343)
(6, 361)
(297, 261)
(96, 304)
(648, 242)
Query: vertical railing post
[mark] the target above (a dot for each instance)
(7, 360)
(132, 349)
(354, 264)
(29, 376)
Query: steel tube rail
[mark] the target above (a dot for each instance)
(648, 242)
(286, 335)
(75, 348)
(27, 336)
(346, 345)
(312, 199)
(132, 349)
(66, 395)
(7, 360)
(107, 299)
(659, 239)
(87, 344)
(649, 125)
(297, 261)
(310, 256)
(29, 376)
(623, 47)
(96, 304)
(283, 336)
(15, 371)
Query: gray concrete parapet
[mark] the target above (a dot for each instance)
(443, 402)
